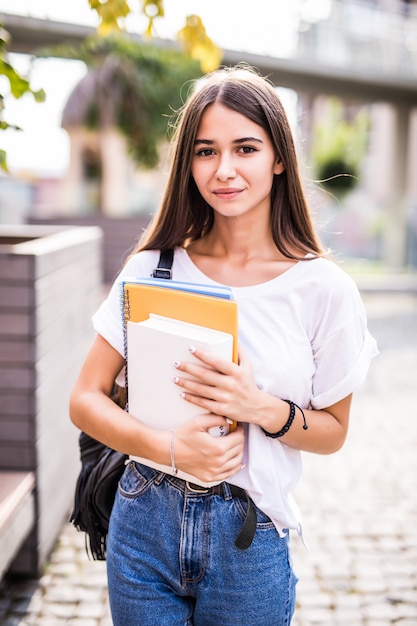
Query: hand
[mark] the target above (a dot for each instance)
(220, 386)
(211, 459)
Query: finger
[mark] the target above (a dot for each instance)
(206, 421)
(218, 477)
(202, 389)
(220, 406)
(230, 466)
(197, 373)
(222, 468)
(204, 403)
(214, 361)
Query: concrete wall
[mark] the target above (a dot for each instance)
(50, 284)
(119, 236)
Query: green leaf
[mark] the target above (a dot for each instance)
(5, 125)
(198, 45)
(109, 12)
(18, 84)
(40, 95)
(18, 87)
(3, 161)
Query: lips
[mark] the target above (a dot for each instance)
(228, 193)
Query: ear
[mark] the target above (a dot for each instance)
(279, 167)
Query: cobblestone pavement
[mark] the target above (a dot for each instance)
(359, 508)
(360, 505)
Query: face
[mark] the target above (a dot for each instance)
(234, 163)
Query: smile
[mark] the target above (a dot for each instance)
(227, 194)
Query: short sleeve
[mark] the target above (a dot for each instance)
(108, 319)
(343, 347)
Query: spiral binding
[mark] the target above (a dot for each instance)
(166, 258)
(126, 318)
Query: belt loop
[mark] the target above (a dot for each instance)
(227, 492)
(159, 478)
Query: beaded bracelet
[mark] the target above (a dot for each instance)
(289, 422)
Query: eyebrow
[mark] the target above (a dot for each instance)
(210, 142)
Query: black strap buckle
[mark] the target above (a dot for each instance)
(162, 272)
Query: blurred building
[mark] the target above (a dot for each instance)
(368, 46)
(375, 38)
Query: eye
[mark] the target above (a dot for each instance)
(247, 149)
(204, 152)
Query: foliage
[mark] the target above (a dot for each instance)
(338, 148)
(110, 13)
(192, 36)
(18, 85)
(198, 45)
(137, 87)
(152, 9)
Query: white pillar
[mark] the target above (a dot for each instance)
(115, 173)
(394, 243)
(70, 202)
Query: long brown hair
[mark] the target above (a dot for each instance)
(184, 215)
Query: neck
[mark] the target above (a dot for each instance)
(231, 239)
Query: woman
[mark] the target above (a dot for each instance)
(235, 213)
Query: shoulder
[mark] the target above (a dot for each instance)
(141, 264)
(328, 293)
(326, 276)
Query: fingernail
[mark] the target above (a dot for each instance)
(243, 465)
(229, 421)
(175, 379)
(176, 363)
(192, 349)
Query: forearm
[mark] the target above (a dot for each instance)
(190, 447)
(97, 415)
(326, 429)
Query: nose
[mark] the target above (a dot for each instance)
(226, 169)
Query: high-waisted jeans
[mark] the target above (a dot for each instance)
(172, 560)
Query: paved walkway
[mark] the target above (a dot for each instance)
(359, 505)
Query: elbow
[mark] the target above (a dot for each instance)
(334, 444)
(75, 409)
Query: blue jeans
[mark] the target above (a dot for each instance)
(171, 558)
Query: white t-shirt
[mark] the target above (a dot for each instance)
(305, 333)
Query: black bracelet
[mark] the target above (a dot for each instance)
(289, 422)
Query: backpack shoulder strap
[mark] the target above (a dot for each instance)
(163, 270)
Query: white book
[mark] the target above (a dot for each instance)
(152, 347)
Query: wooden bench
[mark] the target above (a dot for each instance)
(17, 514)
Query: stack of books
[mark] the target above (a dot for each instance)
(163, 319)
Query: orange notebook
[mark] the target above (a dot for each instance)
(219, 313)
